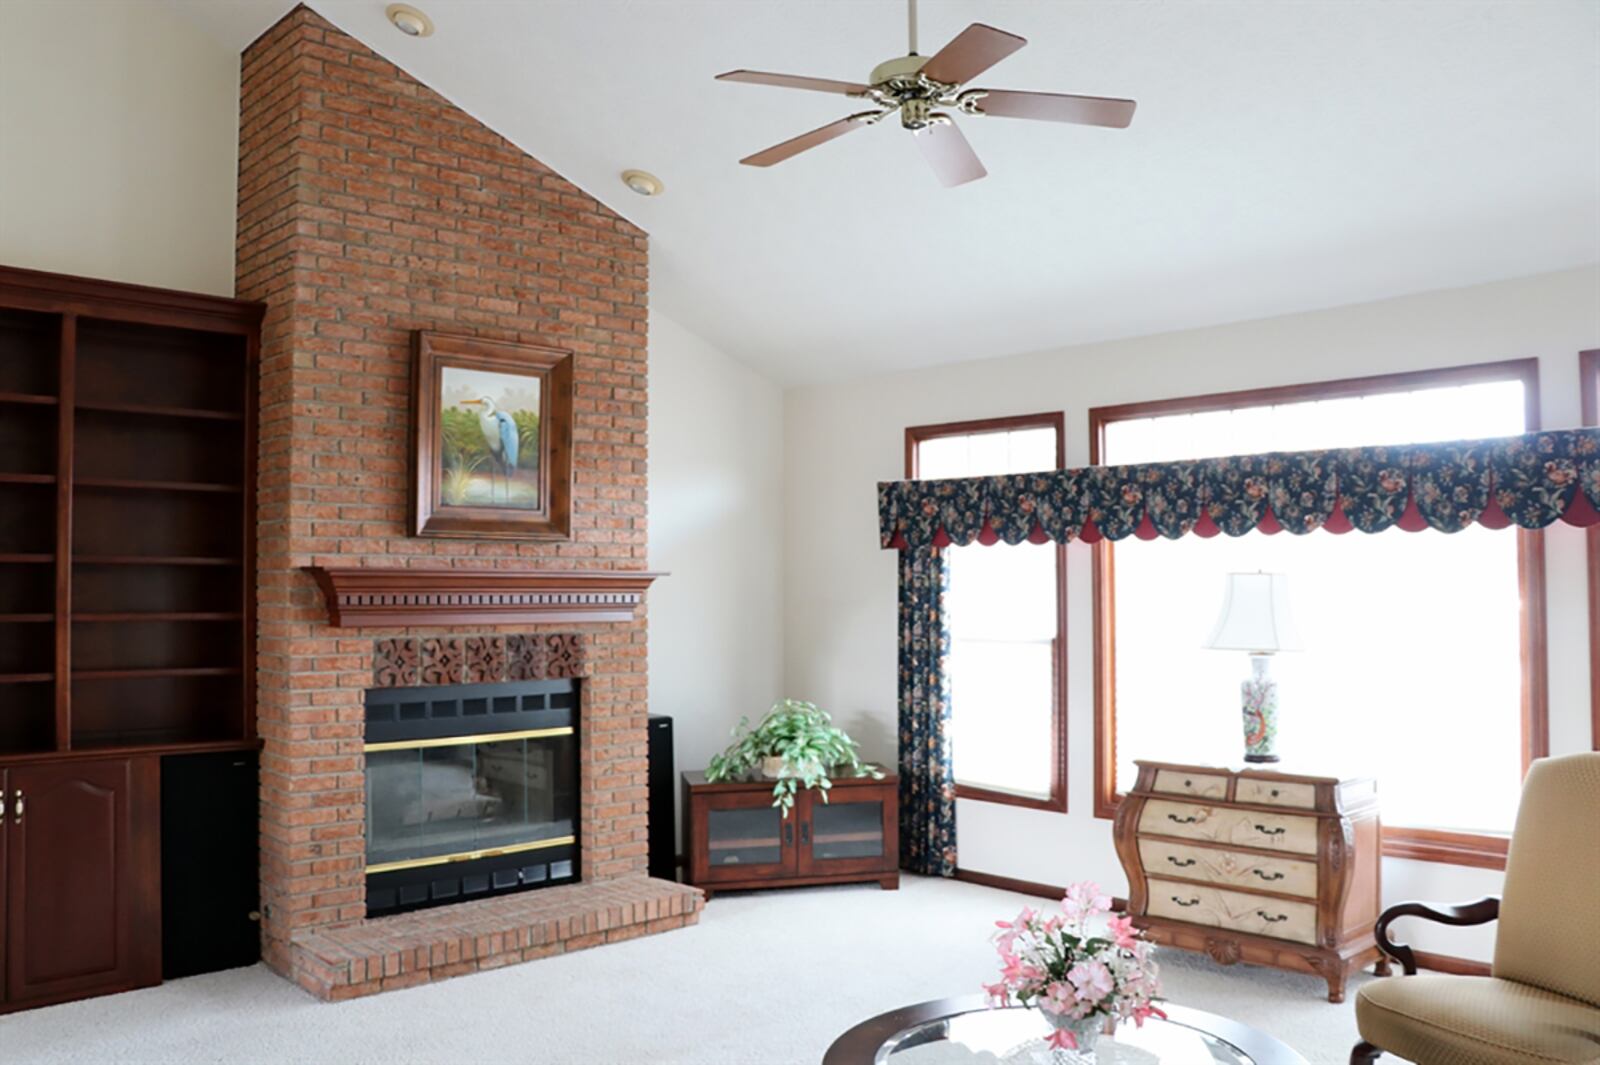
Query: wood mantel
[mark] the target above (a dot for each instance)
(390, 596)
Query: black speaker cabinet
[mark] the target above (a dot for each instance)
(663, 831)
(209, 863)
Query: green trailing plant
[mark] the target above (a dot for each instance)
(805, 738)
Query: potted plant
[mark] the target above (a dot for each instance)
(795, 744)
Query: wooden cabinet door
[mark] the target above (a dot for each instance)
(856, 831)
(83, 884)
(740, 836)
(5, 835)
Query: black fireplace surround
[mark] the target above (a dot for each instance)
(472, 791)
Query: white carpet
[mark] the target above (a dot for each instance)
(767, 978)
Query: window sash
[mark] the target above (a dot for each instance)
(1056, 799)
(1429, 845)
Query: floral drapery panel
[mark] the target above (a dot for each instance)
(927, 779)
(1530, 481)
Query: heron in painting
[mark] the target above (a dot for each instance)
(500, 434)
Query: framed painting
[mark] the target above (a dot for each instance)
(491, 439)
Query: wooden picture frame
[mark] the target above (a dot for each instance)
(491, 439)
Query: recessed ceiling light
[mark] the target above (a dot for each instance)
(409, 21)
(642, 183)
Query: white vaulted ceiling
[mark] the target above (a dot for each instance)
(1285, 156)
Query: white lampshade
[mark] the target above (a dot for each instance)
(1255, 615)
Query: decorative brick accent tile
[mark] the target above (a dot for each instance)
(414, 948)
(444, 660)
(397, 663)
(526, 658)
(486, 659)
(369, 208)
(566, 657)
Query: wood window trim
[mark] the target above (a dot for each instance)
(1589, 374)
(1455, 848)
(915, 435)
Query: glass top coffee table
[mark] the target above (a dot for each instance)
(964, 1031)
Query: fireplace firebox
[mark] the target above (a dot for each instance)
(472, 790)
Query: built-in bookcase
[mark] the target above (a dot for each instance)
(127, 433)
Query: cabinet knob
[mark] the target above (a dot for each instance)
(19, 806)
(255, 915)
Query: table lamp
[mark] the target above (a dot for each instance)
(1255, 618)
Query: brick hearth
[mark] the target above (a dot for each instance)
(369, 208)
(394, 952)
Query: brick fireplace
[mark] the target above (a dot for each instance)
(370, 208)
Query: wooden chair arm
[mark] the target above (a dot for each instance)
(1462, 913)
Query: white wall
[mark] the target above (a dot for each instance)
(840, 588)
(118, 144)
(716, 509)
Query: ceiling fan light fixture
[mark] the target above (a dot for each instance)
(409, 21)
(927, 91)
(642, 182)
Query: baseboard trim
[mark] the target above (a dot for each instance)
(1024, 887)
(1449, 963)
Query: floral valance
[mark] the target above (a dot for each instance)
(1530, 481)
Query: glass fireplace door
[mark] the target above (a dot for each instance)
(457, 799)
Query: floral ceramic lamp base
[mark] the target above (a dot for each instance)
(1259, 706)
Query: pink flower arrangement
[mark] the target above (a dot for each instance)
(1056, 964)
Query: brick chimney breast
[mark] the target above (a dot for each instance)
(369, 208)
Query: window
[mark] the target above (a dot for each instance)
(1589, 370)
(1006, 608)
(1414, 642)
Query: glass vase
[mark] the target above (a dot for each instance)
(1086, 1030)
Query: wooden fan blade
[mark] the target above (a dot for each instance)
(795, 145)
(946, 149)
(795, 81)
(1057, 107)
(971, 52)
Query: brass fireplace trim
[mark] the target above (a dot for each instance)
(461, 741)
(467, 856)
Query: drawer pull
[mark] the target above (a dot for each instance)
(1181, 902)
(1265, 831)
(1269, 918)
(1268, 876)
(1181, 865)
(1186, 820)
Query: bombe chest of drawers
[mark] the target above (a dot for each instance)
(1255, 865)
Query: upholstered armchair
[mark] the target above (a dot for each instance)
(1541, 1003)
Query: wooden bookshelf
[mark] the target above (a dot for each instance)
(127, 439)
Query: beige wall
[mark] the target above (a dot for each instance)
(840, 588)
(716, 508)
(118, 134)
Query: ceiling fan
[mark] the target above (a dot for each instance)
(916, 86)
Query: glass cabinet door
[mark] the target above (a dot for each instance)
(744, 836)
(845, 834)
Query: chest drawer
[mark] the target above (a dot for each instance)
(1253, 914)
(1226, 825)
(1196, 785)
(1276, 793)
(1290, 876)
